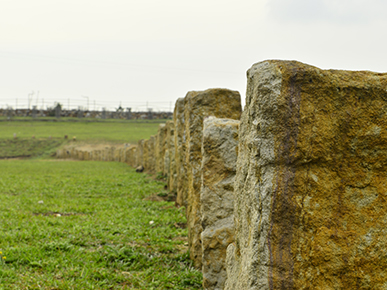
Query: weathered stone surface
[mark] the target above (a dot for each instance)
(132, 156)
(140, 152)
(221, 103)
(123, 154)
(219, 156)
(310, 191)
(97, 155)
(169, 159)
(145, 155)
(172, 155)
(180, 151)
(116, 153)
(161, 147)
(151, 163)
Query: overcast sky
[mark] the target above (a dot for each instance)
(152, 51)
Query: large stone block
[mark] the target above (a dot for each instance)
(132, 156)
(116, 153)
(161, 146)
(219, 157)
(180, 151)
(310, 191)
(151, 162)
(123, 154)
(169, 159)
(140, 152)
(146, 155)
(221, 103)
(98, 155)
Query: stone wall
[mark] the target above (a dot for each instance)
(219, 157)
(309, 196)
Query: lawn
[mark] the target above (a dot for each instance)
(36, 138)
(115, 132)
(89, 225)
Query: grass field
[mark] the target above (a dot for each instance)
(86, 225)
(115, 132)
(111, 132)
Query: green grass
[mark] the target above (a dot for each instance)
(114, 132)
(11, 148)
(106, 237)
(110, 132)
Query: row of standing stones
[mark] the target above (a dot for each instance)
(289, 194)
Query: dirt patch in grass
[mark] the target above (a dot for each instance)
(180, 225)
(90, 146)
(161, 197)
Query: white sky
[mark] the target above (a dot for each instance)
(153, 51)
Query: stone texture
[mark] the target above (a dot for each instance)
(310, 191)
(169, 159)
(151, 163)
(219, 157)
(145, 155)
(221, 103)
(116, 153)
(160, 148)
(132, 156)
(180, 151)
(171, 181)
(140, 152)
(123, 154)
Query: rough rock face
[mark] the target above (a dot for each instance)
(140, 152)
(145, 155)
(170, 164)
(168, 138)
(221, 103)
(132, 156)
(152, 154)
(167, 161)
(160, 148)
(180, 150)
(123, 154)
(219, 157)
(116, 155)
(310, 190)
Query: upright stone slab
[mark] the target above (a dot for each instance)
(311, 194)
(146, 155)
(152, 154)
(180, 150)
(123, 155)
(172, 161)
(169, 158)
(132, 156)
(116, 153)
(219, 156)
(140, 152)
(221, 103)
(160, 148)
(98, 155)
